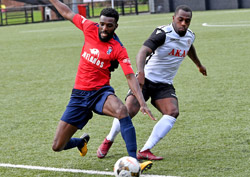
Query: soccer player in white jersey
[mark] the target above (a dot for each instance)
(157, 62)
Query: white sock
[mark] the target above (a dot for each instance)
(161, 128)
(115, 129)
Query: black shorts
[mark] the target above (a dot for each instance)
(156, 91)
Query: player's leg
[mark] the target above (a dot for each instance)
(63, 140)
(169, 108)
(114, 107)
(63, 134)
(75, 117)
(163, 97)
(133, 108)
(103, 149)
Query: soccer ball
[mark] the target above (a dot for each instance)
(127, 167)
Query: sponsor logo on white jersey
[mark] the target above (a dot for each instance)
(173, 39)
(178, 53)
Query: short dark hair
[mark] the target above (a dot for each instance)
(110, 12)
(183, 7)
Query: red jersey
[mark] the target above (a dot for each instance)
(97, 57)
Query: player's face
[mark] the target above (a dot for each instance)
(107, 28)
(181, 22)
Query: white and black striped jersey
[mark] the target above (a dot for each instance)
(169, 50)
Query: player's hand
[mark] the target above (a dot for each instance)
(203, 70)
(145, 110)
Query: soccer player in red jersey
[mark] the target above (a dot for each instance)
(101, 54)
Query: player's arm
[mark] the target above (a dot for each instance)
(63, 9)
(134, 86)
(143, 53)
(192, 54)
(156, 39)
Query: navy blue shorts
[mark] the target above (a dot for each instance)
(82, 103)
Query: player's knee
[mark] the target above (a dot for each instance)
(133, 111)
(56, 147)
(132, 105)
(121, 112)
(174, 113)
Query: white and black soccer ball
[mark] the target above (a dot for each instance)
(127, 167)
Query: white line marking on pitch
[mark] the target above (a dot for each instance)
(231, 25)
(48, 30)
(93, 172)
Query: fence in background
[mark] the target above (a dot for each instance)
(44, 13)
(17, 15)
(164, 6)
(91, 8)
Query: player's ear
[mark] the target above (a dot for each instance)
(116, 26)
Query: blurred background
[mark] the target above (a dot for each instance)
(34, 11)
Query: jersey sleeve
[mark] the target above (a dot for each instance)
(193, 38)
(156, 39)
(124, 61)
(81, 22)
(192, 35)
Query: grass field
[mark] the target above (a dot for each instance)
(210, 138)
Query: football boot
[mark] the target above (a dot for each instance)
(104, 148)
(83, 149)
(145, 166)
(147, 155)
